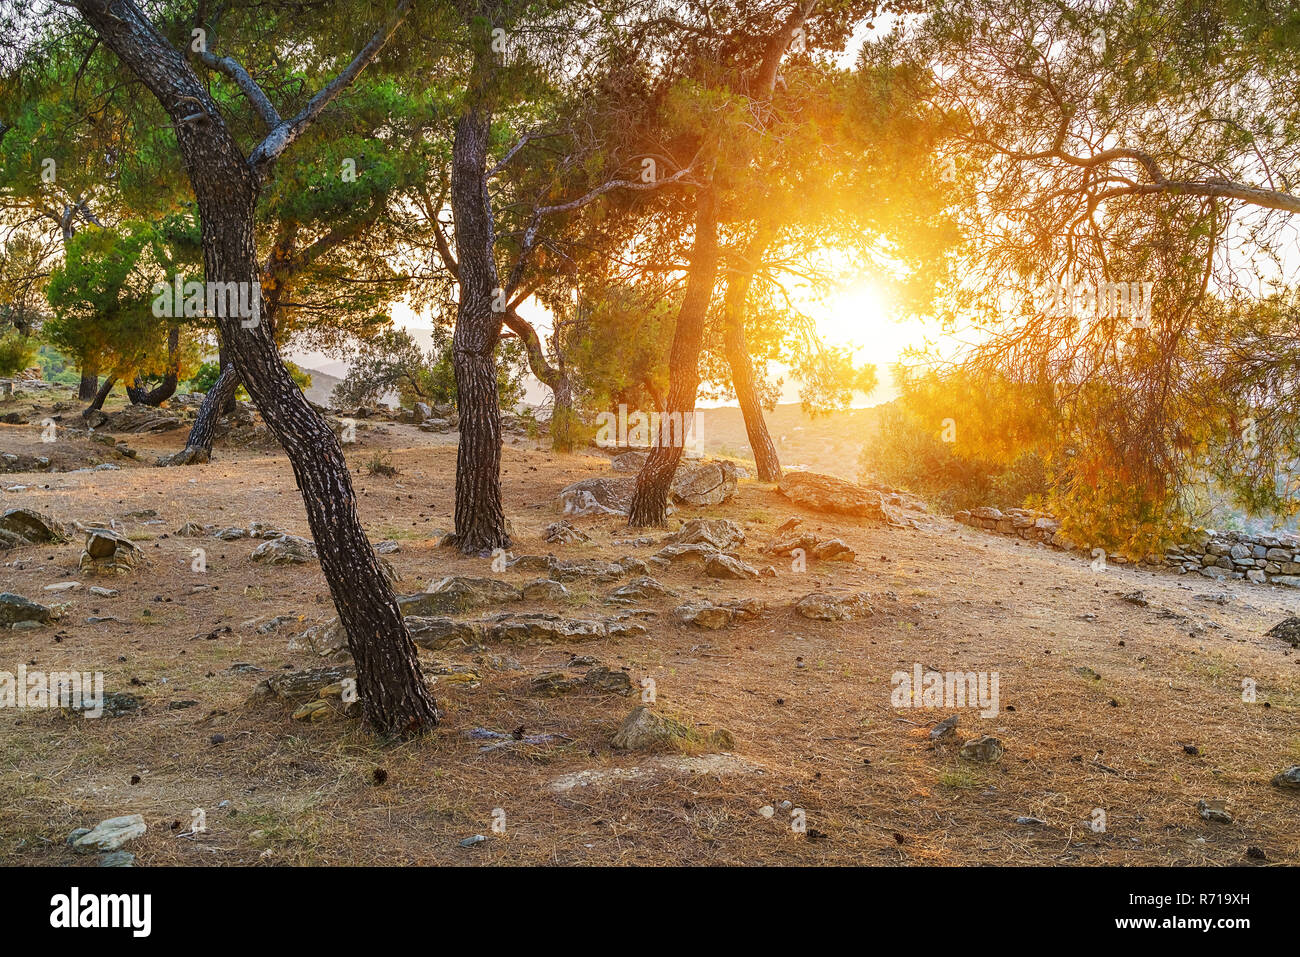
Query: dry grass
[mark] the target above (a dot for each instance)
(823, 737)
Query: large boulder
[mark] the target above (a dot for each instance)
(709, 484)
(826, 494)
(597, 496)
(628, 462)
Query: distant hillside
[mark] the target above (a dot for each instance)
(322, 384)
(830, 443)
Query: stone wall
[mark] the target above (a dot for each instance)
(1262, 559)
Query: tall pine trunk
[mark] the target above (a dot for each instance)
(480, 517)
(89, 383)
(650, 498)
(736, 349)
(393, 695)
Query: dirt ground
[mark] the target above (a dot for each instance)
(1105, 704)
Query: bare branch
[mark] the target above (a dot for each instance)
(256, 96)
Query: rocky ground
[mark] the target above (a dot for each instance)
(717, 692)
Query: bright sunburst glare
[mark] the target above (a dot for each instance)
(863, 317)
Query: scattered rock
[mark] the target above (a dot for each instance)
(594, 568)
(285, 550)
(544, 589)
(707, 615)
(597, 496)
(1288, 779)
(62, 586)
(15, 609)
(600, 679)
(985, 748)
(543, 629)
(564, 533)
(640, 589)
(25, 526)
(720, 534)
(108, 835)
(1287, 630)
(823, 607)
(457, 593)
(948, 726)
(834, 550)
(645, 730)
(725, 567)
(109, 551)
(1215, 810)
(672, 554)
(436, 634)
(298, 686)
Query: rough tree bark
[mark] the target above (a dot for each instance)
(89, 384)
(394, 697)
(736, 348)
(198, 444)
(650, 498)
(480, 517)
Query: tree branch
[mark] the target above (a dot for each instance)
(255, 94)
(286, 132)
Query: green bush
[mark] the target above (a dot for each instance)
(16, 352)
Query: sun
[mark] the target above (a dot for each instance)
(864, 318)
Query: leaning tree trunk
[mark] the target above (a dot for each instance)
(742, 365)
(198, 444)
(650, 498)
(167, 388)
(393, 695)
(480, 517)
(97, 400)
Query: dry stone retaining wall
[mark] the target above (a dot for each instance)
(1271, 559)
